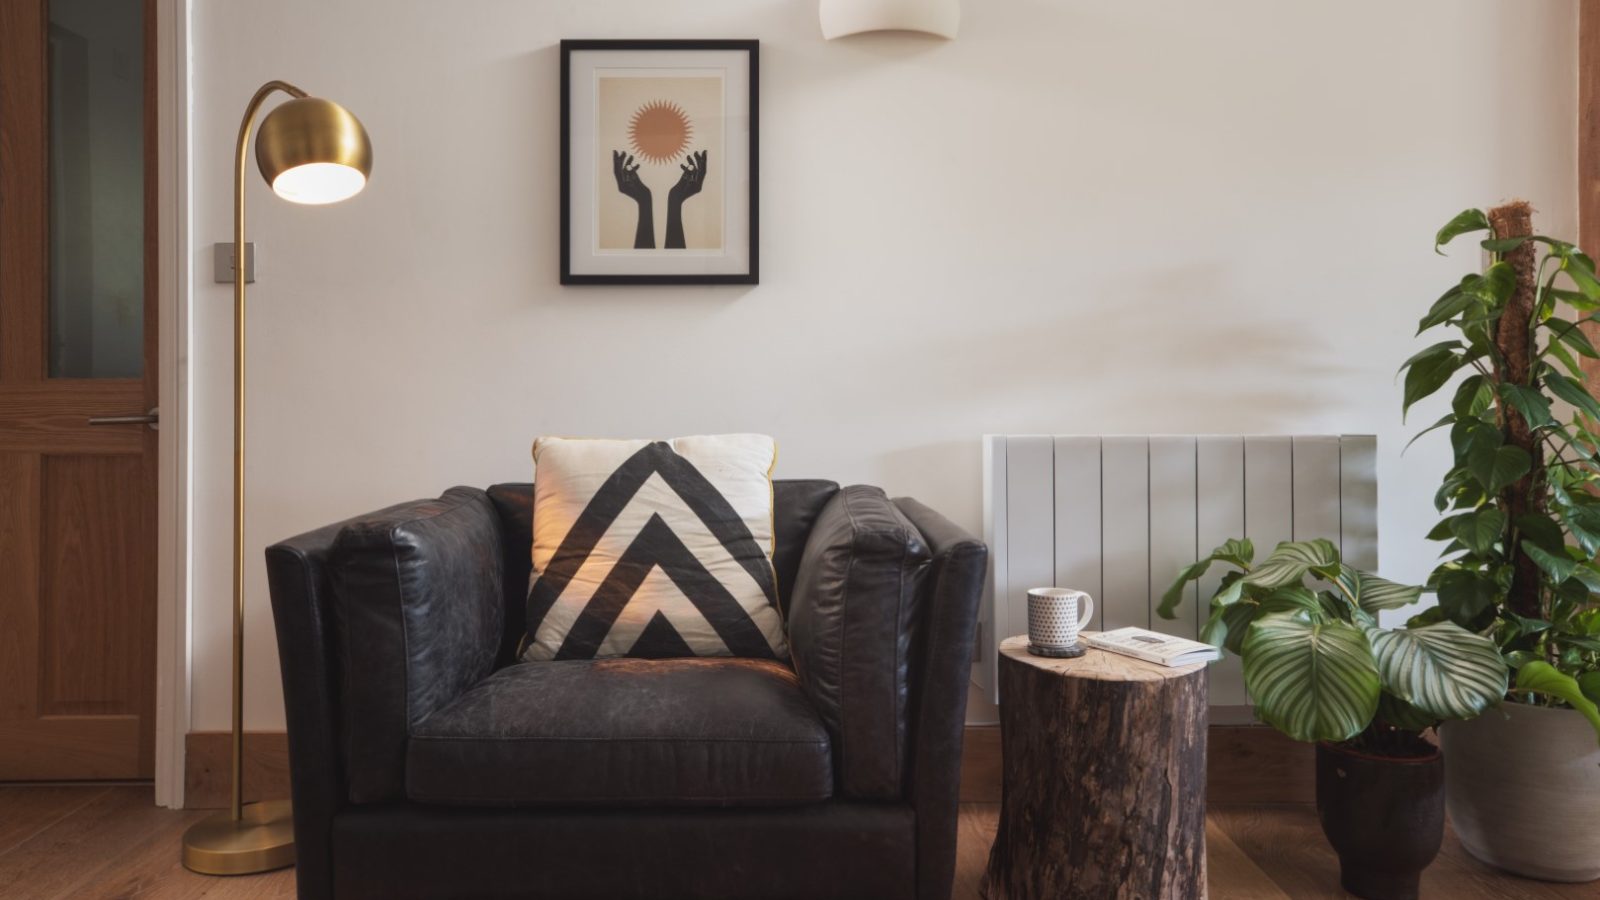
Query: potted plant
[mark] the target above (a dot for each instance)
(1320, 668)
(1521, 527)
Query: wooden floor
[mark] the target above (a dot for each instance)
(110, 842)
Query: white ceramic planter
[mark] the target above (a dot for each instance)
(1522, 788)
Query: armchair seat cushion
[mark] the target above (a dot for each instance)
(625, 732)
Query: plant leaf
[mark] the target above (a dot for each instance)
(1581, 271)
(1499, 280)
(1236, 552)
(1428, 371)
(1311, 681)
(1443, 670)
(1473, 397)
(1541, 530)
(1400, 714)
(1542, 678)
(1373, 593)
(1497, 467)
(1479, 529)
(1559, 566)
(1464, 595)
(1503, 245)
(1449, 419)
(1589, 683)
(1292, 560)
(1584, 524)
(1570, 390)
(1228, 625)
(1294, 598)
(1534, 407)
(1574, 299)
(1465, 222)
(1569, 333)
(1454, 302)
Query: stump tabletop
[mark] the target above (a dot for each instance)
(1100, 665)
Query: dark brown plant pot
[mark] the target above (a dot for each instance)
(1383, 815)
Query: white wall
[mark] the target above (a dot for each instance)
(1080, 216)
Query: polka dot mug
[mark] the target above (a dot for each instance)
(1054, 617)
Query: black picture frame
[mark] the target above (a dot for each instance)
(752, 276)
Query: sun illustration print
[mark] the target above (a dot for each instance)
(660, 132)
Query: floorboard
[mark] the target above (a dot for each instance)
(98, 842)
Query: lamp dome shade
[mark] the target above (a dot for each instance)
(841, 18)
(313, 150)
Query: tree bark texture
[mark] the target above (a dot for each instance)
(1104, 761)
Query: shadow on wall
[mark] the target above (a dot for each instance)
(1163, 356)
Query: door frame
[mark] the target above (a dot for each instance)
(174, 292)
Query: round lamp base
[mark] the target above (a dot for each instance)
(260, 841)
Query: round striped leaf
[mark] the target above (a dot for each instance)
(1311, 681)
(1372, 593)
(1292, 560)
(1441, 669)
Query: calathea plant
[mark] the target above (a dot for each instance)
(1521, 509)
(1318, 665)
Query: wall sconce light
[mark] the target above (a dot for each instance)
(846, 17)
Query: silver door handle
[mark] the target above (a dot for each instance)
(151, 418)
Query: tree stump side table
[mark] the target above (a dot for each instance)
(1104, 767)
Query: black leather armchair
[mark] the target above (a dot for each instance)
(426, 762)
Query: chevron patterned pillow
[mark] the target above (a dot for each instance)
(653, 549)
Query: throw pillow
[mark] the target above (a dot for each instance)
(653, 549)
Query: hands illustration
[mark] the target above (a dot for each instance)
(628, 182)
(690, 181)
(689, 184)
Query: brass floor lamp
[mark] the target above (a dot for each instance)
(311, 151)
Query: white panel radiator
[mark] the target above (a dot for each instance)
(1119, 515)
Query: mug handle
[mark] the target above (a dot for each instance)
(1088, 611)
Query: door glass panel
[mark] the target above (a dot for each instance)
(96, 188)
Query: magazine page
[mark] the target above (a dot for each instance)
(1153, 646)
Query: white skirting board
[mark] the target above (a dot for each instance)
(1119, 515)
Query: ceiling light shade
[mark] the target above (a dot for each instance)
(845, 17)
(313, 150)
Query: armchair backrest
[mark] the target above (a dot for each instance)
(795, 506)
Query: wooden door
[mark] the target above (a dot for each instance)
(77, 341)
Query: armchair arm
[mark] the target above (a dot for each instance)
(302, 609)
(345, 599)
(853, 620)
(418, 611)
(952, 593)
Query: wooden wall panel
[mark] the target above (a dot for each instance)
(1125, 533)
(208, 768)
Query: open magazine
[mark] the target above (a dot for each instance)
(1151, 646)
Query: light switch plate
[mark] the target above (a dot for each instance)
(222, 262)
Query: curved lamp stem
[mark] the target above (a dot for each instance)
(241, 156)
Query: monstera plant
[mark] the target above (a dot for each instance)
(1317, 664)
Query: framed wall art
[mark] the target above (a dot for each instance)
(658, 162)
